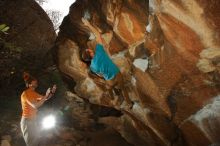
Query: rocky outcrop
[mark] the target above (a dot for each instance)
(30, 27)
(168, 53)
(29, 38)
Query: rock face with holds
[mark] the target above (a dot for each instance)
(169, 54)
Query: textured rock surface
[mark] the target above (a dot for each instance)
(26, 45)
(176, 95)
(30, 28)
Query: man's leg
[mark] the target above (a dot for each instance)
(23, 125)
(122, 88)
(29, 131)
(114, 93)
(117, 85)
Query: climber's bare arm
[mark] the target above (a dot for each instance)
(97, 34)
(93, 30)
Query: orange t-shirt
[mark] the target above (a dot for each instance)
(32, 96)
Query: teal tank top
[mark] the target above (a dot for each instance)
(102, 64)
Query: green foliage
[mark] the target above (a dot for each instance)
(4, 28)
(13, 47)
(10, 61)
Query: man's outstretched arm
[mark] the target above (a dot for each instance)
(41, 99)
(93, 30)
(97, 34)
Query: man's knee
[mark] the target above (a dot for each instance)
(110, 83)
(116, 82)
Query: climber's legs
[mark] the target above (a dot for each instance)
(117, 86)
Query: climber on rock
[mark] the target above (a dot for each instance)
(103, 66)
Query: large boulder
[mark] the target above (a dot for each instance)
(168, 53)
(28, 40)
(30, 27)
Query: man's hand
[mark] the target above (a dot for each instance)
(85, 21)
(94, 30)
(50, 92)
(54, 88)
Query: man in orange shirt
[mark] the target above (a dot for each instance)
(31, 101)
